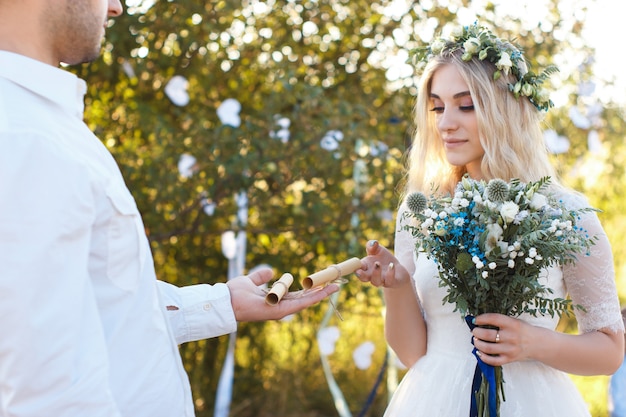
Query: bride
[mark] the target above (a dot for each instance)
(470, 122)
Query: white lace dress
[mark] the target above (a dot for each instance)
(439, 384)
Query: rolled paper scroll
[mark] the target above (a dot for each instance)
(331, 273)
(279, 289)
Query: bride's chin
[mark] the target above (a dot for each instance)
(456, 162)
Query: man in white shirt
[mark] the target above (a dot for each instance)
(86, 330)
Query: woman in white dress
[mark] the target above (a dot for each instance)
(470, 122)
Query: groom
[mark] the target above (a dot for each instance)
(86, 329)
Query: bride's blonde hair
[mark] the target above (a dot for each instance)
(509, 130)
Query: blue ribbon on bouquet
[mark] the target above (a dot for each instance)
(482, 370)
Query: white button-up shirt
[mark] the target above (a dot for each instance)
(84, 328)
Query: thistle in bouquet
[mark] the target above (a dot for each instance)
(490, 242)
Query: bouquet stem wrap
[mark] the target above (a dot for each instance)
(487, 387)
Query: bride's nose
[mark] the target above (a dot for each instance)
(446, 121)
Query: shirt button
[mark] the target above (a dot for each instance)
(206, 307)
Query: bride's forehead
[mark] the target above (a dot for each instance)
(447, 81)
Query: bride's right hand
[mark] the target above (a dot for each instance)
(381, 268)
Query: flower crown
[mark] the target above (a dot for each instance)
(481, 42)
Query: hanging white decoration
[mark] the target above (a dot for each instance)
(326, 339)
(186, 165)
(586, 89)
(594, 111)
(242, 207)
(176, 90)
(331, 139)
(579, 120)
(208, 206)
(229, 244)
(593, 142)
(362, 355)
(282, 133)
(378, 148)
(128, 69)
(555, 143)
(228, 112)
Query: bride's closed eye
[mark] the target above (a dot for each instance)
(440, 109)
(437, 109)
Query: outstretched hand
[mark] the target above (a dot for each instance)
(248, 298)
(381, 268)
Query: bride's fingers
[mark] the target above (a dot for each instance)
(391, 271)
(383, 275)
(389, 274)
(376, 277)
(372, 247)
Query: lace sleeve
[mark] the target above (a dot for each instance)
(404, 245)
(590, 281)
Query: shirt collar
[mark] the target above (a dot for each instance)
(54, 84)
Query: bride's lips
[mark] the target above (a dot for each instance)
(453, 143)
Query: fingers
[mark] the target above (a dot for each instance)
(310, 298)
(379, 266)
(495, 354)
(491, 319)
(379, 274)
(501, 339)
(261, 276)
(364, 267)
(488, 335)
(373, 247)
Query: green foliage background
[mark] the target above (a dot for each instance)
(308, 209)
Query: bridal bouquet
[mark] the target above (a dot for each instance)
(490, 242)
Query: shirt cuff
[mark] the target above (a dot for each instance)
(200, 311)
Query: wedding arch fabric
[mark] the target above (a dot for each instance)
(439, 384)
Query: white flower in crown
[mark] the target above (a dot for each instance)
(437, 46)
(456, 33)
(543, 94)
(475, 42)
(472, 45)
(504, 63)
(527, 90)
